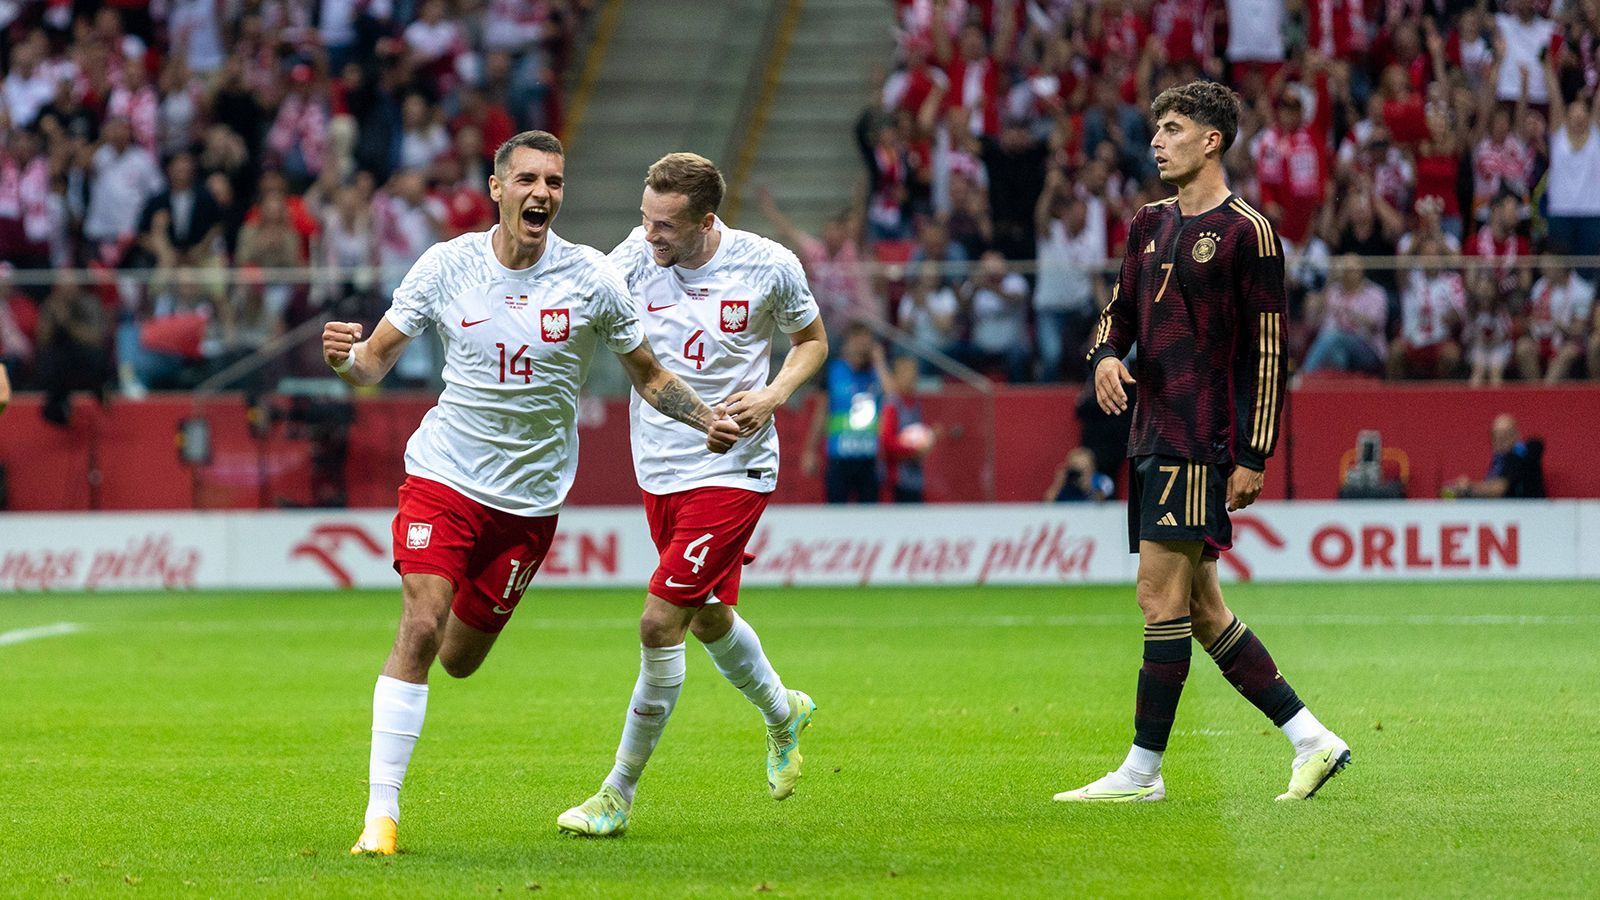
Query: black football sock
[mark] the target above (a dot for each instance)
(1166, 666)
(1248, 666)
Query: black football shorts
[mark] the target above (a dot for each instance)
(1172, 499)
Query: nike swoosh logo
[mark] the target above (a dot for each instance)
(501, 612)
(671, 583)
(639, 712)
(659, 308)
(466, 324)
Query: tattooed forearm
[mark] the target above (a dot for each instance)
(673, 398)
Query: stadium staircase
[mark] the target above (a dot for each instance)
(770, 89)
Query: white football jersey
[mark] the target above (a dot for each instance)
(712, 327)
(517, 345)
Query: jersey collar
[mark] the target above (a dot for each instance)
(552, 247)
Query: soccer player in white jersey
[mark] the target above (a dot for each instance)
(711, 298)
(520, 312)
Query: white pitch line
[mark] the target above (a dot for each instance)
(18, 635)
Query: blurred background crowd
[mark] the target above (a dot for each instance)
(1432, 167)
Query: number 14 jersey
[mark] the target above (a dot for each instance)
(713, 327)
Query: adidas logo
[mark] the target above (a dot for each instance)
(1150, 247)
(1168, 519)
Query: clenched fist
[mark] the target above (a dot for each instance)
(338, 340)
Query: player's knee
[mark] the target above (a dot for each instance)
(459, 666)
(1161, 600)
(711, 622)
(420, 632)
(660, 631)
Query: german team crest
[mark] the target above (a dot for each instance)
(1206, 247)
(418, 534)
(735, 315)
(555, 325)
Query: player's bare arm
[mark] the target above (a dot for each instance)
(752, 410)
(1109, 377)
(361, 362)
(671, 397)
(5, 388)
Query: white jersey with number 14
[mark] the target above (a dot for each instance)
(713, 327)
(517, 345)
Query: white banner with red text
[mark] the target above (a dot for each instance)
(796, 545)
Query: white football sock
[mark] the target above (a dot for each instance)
(397, 711)
(1142, 766)
(1305, 732)
(738, 656)
(654, 695)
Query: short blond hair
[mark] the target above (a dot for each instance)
(691, 175)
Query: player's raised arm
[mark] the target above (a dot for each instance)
(361, 362)
(1116, 330)
(672, 398)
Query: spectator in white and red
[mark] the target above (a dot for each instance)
(467, 207)
(1433, 302)
(299, 133)
(194, 31)
(423, 138)
(1185, 30)
(516, 26)
(1339, 29)
(1572, 190)
(1502, 161)
(407, 222)
(1350, 317)
(1489, 331)
(434, 45)
(888, 179)
(1255, 39)
(25, 219)
(832, 262)
(269, 240)
(975, 78)
(29, 86)
(124, 176)
(1291, 172)
(922, 19)
(136, 100)
(1522, 39)
(1499, 241)
(1439, 173)
(1070, 290)
(918, 87)
(346, 243)
(1472, 48)
(1558, 325)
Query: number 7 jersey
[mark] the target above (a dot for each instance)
(713, 327)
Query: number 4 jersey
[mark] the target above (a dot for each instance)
(517, 345)
(713, 327)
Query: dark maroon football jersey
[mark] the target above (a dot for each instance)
(1203, 298)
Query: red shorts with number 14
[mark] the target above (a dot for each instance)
(701, 534)
(489, 556)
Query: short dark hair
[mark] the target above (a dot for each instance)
(1207, 102)
(543, 141)
(691, 175)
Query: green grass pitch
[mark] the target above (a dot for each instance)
(215, 745)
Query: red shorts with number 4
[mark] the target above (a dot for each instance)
(701, 534)
(487, 555)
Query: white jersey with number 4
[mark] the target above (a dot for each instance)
(517, 345)
(712, 327)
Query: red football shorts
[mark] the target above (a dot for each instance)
(701, 534)
(489, 556)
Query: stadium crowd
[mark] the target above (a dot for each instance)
(191, 137)
(1412, 154)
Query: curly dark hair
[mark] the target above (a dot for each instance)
(1207, 102)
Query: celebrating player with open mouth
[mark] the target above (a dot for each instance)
(520, 312)
(711, 297)
(1201, 293)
